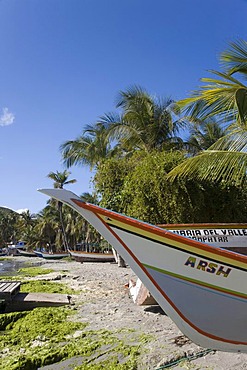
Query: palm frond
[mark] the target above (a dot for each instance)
(234, 60)
(241, 101)
(125, 98)
(227, 80)
(203, 134)
(110, 118)
(216, 98)
(235, 140)
(75, 152)
(221, 166)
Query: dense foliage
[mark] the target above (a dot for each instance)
(138, 187)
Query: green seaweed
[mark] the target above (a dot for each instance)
(40, 286)
(45, 326)
(48, 335)
(9, 318)
(48, 322)
(25, 272)
(9, 278)
(34, 271)
(32, 339)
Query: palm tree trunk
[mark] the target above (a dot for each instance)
(62, 226)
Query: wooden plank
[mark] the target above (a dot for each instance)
(8, 289)
(8, 286)
(29, 301)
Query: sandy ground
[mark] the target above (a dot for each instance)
(106, 304)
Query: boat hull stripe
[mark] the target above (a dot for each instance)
(225, 255)
(98, 212)
(198, 282)
(175, 246)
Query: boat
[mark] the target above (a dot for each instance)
(202, 288)
(83, 256)
(54, 256)
(26, 253)
(37, 253)
(12, 249)
(3, 252)
(232, 237)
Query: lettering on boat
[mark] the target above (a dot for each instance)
(210, 267)
(211, 239)
(236, 232)
(213, 236)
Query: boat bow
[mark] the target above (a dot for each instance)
(202, 288)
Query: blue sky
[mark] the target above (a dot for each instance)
(64, 61)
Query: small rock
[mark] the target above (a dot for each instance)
(58, 277)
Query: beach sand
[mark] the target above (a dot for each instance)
(104, 302)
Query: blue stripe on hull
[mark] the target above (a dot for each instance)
(216, 313)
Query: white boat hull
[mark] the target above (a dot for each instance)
(202, 288)
(53, 256)
(81, 256)
(24, 253)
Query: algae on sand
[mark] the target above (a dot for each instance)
(33, 339)
(33, 271)
(40, 286)
(48, 335)
(25, 272)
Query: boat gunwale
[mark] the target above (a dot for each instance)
(162, 232)
(202, 226)
(47, 254)
(92, 253)
(195, 253)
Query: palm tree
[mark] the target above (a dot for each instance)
(203, 135)
(89, 148)
(146, 122)
(60, 179)
(25, 226)
(47, 226)
(8, 227)
(78, 229)
(224, 98)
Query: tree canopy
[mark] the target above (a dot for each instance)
(138, 186)
(224, 98)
